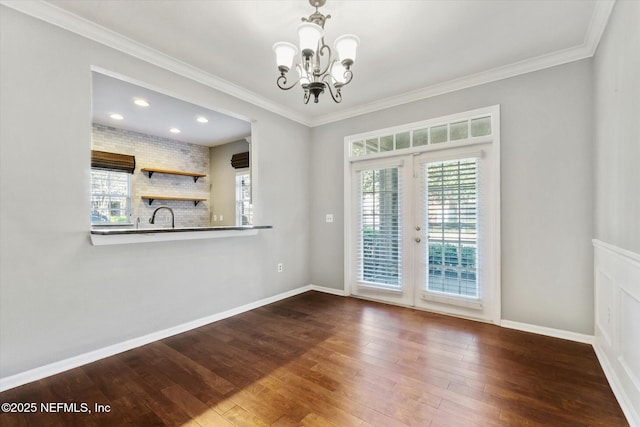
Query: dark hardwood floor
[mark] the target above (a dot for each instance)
(323, 360)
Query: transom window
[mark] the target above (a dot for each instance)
(425, 134)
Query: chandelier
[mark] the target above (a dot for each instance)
(314, 74)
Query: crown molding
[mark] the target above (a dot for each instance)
(587, 49)
(598, 24)
(78, 25)
(90, 30)
(495, 74)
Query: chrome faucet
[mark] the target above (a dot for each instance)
(153, 216)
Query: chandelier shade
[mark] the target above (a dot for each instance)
(318, 67)
(309, 35)
(346, 47)
(284, 54)
(338, 73)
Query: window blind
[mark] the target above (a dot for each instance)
(113, 161)
(452, 220)
(240, 160)
(380, 228)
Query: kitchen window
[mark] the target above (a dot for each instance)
(244, 208)
(110, 197)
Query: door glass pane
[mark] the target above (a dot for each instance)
(379, 239)
(452, 223)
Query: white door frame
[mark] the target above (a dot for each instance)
(492, 262)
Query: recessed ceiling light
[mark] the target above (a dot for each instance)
(141, 102)
(116, 116)
(174, 130)
(202, 119)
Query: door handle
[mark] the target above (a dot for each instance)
(418, 228)
(418, 240)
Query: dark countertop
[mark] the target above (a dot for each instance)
(107, 231)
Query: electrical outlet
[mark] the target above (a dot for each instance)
(220, 217)
(280, 267)
(215, 218)
(329, 218)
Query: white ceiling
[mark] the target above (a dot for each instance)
(110, 95)
(409, 49)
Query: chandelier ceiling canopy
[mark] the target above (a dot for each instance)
(314, 74)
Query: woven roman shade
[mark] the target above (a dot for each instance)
(240, 160)
(113, 161)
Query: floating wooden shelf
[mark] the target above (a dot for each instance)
(194, 175)
(195, 200)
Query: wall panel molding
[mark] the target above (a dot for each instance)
(617, 323)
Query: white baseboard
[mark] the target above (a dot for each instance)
(92, 356)
(550, 332)
(616, 386)
(332, 291)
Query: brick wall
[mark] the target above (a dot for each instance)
(161, 153)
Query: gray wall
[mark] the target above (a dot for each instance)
(617, 129)
(223, 181)
(60, 296)
(547, 202)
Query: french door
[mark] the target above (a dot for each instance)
(423, 231)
